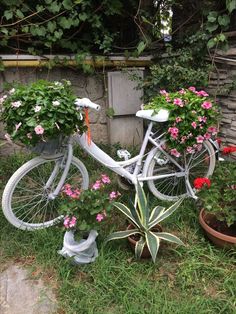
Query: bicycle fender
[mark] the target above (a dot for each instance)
(150, 155)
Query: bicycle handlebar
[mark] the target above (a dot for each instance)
(86, 103)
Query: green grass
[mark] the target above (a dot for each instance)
(195, 278)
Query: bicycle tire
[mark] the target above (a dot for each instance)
(172, 188)
(24, 201)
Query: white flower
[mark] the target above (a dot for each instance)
(58, 83)
(37, 108)
(56, 103)
(12, 91)
(16, 104)
(18, 125)
(2, 99)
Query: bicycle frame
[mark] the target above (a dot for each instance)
(119, 166)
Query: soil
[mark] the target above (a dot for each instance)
(222, 227)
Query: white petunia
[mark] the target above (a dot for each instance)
(56, 103)
(16, 104)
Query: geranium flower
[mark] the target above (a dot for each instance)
(228, 150)
(39, 129)
(200, 182)
(206, 105)
(202, 93)
(192, 88)
(182, 92)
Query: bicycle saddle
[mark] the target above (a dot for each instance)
(161, 116)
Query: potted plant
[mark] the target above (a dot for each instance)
(144, 229)
(192, 118)
(85, 212)
(40, 112)
(217, 198)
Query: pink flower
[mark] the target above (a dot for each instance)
(18, 125)
(190, 150)
(8, 137)
(99, 217)
(164, 92)
(212, 130)
(202, 119)
(178, 102)
(97, 185)
(174, 132)
(183, 139)
(200, 139)
(207, 136)
(113, 195)
(39, 129)
(105, 179)
(16, 104)
(69, 222)
(178, 119)
(194, 124)
(168, 99)
(174, 152)
(202, 93)
(182, 91)
(206, 105)
(192, 88)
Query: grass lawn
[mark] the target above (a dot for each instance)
(195, 278)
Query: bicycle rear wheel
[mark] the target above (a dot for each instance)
(25, 200)
(199, 164)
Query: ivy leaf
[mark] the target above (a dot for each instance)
(224, 20)
(54, 7)
(83, 16)
(8, 14)
(67, 4)
(231, 5)
(51, 26)
(211, 27)
(65, 23)
(211, 43)
(19, 14)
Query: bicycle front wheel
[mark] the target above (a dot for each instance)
(199, 164)
(25, 200)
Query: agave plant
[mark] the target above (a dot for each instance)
(144, 220)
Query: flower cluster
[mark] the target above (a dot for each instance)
(218, 195)
(192, 119)
(40, 111)
(86, 209)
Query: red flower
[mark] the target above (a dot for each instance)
(200, 182)
(228, 150)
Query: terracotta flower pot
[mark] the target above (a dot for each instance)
(219, 239)
(132, 241)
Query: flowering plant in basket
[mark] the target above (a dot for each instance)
(87, 209)
(218, 194)
(40, 111)
(192, 118)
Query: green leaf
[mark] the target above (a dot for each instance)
(168, 237)
(156, 212)
(168, 211)
(141, 46)
(19, 14)
(212, 27)
(224, 20)
(139, 247)
(125, 210)
(211, 43)
(8, 14)
(51, 26)
(153, 244)
(143, 209)
(68, 5)
(54, 7)
(231, 5)
(121, 234)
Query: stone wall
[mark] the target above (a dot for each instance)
(91, 86)
(223, 86)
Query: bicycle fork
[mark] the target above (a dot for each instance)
(66, 162)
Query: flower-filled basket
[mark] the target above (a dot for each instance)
(41, 114)
(192, 119)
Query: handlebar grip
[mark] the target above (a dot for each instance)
(86, 103)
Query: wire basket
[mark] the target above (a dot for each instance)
(50, 147)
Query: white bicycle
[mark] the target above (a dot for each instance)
(30, 197)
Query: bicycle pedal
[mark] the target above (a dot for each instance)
(123, 153)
